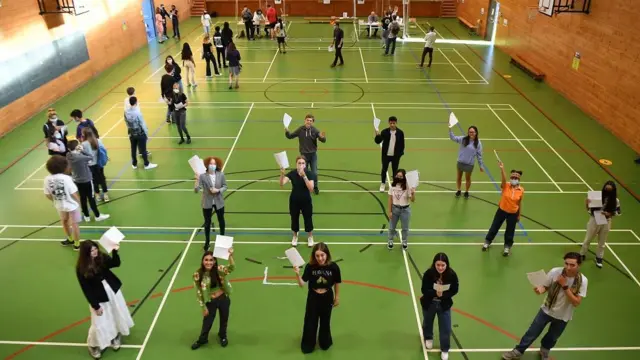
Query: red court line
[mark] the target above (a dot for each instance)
(187, 288)
(102, 96)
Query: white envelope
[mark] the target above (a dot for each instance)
(282, 159)
(222, 246)
(111, 238)
(600, 218)
(376, 123)
(294, 257)
(497, 157)
(286, 120)
(538, 278)
(413, 178)
(441, 288)
(453, 120)
(197, 165)
(595, 198)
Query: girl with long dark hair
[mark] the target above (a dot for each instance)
(439, 286)
(91, 145)
(110, 318)
(610, 208)
(470, 149)
(233, 56)
(189, 64)
(213, 290)
(400, 199)
(323, 276)
(213, 185)
(208, 57)
(63, 193)
(176, 72)
(300, 199)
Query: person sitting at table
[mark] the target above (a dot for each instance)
(373, 19)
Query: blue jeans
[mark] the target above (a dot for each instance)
(402, 214)
(444, 324)
(537, 326)
(312, 163)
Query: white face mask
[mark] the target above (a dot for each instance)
(515, 182)
(176, 90)
(169, 61)
(54, 119)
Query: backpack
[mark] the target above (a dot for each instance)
(103, 157)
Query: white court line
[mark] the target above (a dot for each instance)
(483, 139)
(166, 294)
(275, 181)
(178, 137)
(226, 161)
(364, 67)
(408, 63)
(635, 235)
(415, 304)
(270, 65)
(623, 264)
(455, 67)
(47, 343)
(550, 147)
(326, 191)
(532, 350)
(524, 147)
(3, 229)
(473, 68)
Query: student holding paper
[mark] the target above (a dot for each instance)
(439, 286)
(63, 192)
(610, 208)
(178, 105)
(509, 209)
(79, 160)
(213, 185)
(213, 290)
(322, 275)
(392, 139)
(300, 199)
(400, 196)
(565, 288)
(308, 136)
(110, 318)
(470, 149)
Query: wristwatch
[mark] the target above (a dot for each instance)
(565, 287)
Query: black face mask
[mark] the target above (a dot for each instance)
(397, 179)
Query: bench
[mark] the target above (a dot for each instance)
(525, 66)
(472, 27)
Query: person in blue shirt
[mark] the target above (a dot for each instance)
(470, 149)
(138, 134)
(76, 115)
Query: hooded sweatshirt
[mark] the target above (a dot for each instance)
(80, 166)
(308, 138)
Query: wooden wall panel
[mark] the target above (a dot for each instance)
(470, 11)
(607, 82)
(22, 28)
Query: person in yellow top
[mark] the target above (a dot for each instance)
(509, 209)
(213, 290)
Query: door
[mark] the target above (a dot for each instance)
(149, 16)
(492, 19)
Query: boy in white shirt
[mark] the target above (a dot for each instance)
(565, 288)
(63, 192)
(429, 40)
(205, 19)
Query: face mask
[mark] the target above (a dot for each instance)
(515, 182)
(169, 61)
(176, 90)
(397, 179)
(54, 119)
(57, 135)
(212, 168)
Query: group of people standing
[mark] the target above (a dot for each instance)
(161, 22)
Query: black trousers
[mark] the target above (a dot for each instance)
(176, 28)
(306, 207)
(139, 143)
(222, 304)
(427, 50)
(86, 195)
(248, 26)
(319, 307)
(208, 214)
(498, 219)
(338, 51)
(209, 58)
(220, 51)
(99, 180)
(395, 163)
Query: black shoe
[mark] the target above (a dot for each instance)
(181, 142)
(458, 193)
(188, 140)
(197, 344)
(637, 161)
(76, 247)
(466, 194)
(224, 342)
(66, 242)
(316, 191)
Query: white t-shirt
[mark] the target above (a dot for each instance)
(127, 104)
(563, 309)
(400, 197)
(430, 39)
(206, 20)
(392, 143)
(60, 187)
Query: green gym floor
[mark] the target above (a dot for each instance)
(44, 314)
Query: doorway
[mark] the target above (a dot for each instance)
(149, 16)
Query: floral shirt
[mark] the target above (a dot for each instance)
(204, 289)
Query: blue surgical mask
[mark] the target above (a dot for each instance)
(212, 168)
(515, 182)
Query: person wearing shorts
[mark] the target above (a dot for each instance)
(233, 56)
(63, 192)
(470, 149)
(281, 36)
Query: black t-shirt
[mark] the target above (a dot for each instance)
(322, 277)
(206, 48)
(178, 98)
(338, 34)
(299, 190)
(385, 22)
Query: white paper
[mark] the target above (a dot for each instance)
(330, 48)
(453, 120)
(538, 278)
(282, 160)
(162, 100)
(441, 288)
(413, 178)
(497, 157)
(222, 246)
(111, 238)
(197, 165)
(376, 123)
(600, 218)
(294, 257)
(286, 120)
(595, 198)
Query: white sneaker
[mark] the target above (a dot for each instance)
(150, 166)
(382, 186)
(444, 356)
(428, 344)
(310, 241)
(87, 218)
(134, 167)
(103, 217)
(95, 352)
(294, 240)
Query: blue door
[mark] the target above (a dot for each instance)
(149, 15)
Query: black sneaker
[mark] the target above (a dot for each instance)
(316, 191)
(390, 244)
(599, 263)
(405, 245)
(466, 194)
(76, 247)
(188, 140)
(66, 242)
(181, 142)
(584, 257)
(197, 344)
(458, 193)
(224, 342)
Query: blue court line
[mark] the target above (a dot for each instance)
(446, 105)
